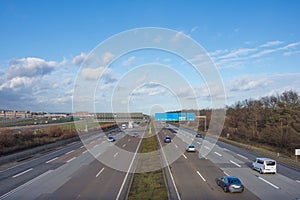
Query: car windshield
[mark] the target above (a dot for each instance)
(191, 146)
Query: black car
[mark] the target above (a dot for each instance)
(199, 135)
(230, 184)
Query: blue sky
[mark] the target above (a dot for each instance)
(254, 44)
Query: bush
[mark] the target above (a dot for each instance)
(7, 138)
(54, 131)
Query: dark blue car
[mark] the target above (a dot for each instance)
(230, 184)
(167, 139)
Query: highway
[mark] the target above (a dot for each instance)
(194, 174)
(72, 172)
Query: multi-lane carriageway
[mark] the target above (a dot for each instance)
(72, 172)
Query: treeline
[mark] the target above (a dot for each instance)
(272, 121)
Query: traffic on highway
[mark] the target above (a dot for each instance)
(99, 168)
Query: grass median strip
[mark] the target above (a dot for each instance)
(148, 185)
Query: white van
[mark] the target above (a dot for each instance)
(264, 165)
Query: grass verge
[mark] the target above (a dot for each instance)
(148, 185)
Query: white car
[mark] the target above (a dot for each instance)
(264, 165)
(190, 148)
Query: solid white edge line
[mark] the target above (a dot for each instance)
(218, 154)
(52, 160)
(241, 156)
(168, 167)
(122, 186)
(184, 156)
(71, 159)
(201, 176)
(275, 186)
(235, 163)
(99, 172)
(24, 185)
(19, 174)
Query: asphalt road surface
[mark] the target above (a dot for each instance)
(74, 173)
(194, 174)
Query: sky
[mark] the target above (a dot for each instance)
(46, 47)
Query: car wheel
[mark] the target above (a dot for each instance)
(218, 183)
(225, 189)
(260, 171)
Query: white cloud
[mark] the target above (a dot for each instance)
(94, 73)
(129, 61)
(247, 83)
(77, 60)
(30, 67)
(107, 57)
(177, 37)
(238, 53)
(272, 43)
(17, 82)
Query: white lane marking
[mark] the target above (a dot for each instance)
(201, 176)
(176, 146)
(184, 156)
(24, 185)
(69, 152)
(226, 173)
(122, 186)
(19, 174)
(206, 147)
(100, 172)
(169, 170)
(124, 145)
(129, 140)
(116, 154)
(71, 159)
(298, 181)
(275, 186)
(218, 154)
(51, 160)
(81, 147)
(235, 163)
(84, 151)
(199, 142)
(97, 145)
(241, 156)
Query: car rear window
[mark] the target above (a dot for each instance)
(270, 163)
(234, 181)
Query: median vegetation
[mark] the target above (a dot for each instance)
(148, 185)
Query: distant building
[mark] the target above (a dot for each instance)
(12, 114)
